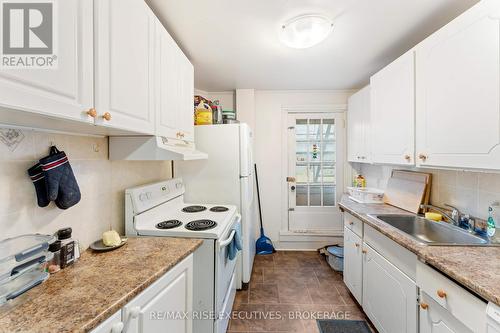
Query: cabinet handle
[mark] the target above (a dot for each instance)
(424, 306)
(107, 116)
(364, 251)
(132, 314)
(408, 158)
(422, 157)
(117, 328)
(92, 113)
(441, 293)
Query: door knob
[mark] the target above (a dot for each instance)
(107, 116)
(92, 113)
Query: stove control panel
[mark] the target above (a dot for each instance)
(148, 196)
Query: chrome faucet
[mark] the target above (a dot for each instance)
(454, 218)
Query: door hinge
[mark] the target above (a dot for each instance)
(291, 127)
(291, 209)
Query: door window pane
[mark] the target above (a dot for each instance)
(301, 151)
(301, 173)
(328, 129)
(328, 173)
(328, 195)
(315, 195)
(301, 130)
(315, 174)
(315, 129)
(328, 152)
(315, 152)
(301, 195)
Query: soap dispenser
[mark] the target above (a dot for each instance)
(493, 210)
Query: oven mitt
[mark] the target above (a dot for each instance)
(61, 182)
(38, 179)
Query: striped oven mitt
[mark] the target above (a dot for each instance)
(38, 179)
(60, 180)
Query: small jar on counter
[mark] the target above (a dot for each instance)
(68, 247)
(54, 265)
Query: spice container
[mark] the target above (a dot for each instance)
(67, 247)
(55, 264)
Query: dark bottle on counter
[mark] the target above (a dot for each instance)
(69, 247)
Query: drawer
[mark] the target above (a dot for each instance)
(463, 305)
(354, 224)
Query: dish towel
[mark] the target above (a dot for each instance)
(235, 245)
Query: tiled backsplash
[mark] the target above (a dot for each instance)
(102, 184)
(471, 192)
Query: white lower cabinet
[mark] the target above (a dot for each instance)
(389, 296)
(353, 264)
(436, 319)
(165, 306)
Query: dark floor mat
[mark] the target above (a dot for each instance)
(343, 326)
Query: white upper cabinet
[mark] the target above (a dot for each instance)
(458, 92)
(393, 112)
(358, 127)
(65, 91)
(175, 89)
(124, 60)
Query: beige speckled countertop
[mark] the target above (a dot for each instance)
(476, 268)
(80, 297)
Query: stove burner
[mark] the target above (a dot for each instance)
(219, 209)
(170, 224)
(194, 209)
(201, 225)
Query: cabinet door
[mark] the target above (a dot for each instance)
(389, 296)
(166, 305)
(353, 264)
(358, 126)
(124, 72)
(175, 90)
(458, 92)
(436, 319)
(65, 91)
(393, 112)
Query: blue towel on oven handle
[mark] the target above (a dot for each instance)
(236, 244)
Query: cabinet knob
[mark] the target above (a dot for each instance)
(107, 116)
(356, 244)
(408, 158)
(351, 223)
(422, 157)
(92, 113)
(424, 306)
(441, 293)
(364, 251)
(117, 328)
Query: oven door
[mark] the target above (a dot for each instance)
(224, 268)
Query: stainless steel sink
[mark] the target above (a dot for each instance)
(433, 233)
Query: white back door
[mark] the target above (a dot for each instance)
(315, 172)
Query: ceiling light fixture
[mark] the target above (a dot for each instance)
(305, 31)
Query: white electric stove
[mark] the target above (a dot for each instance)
(159, 210)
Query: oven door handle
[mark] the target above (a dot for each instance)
(228, 240)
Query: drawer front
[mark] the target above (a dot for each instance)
(354, 224)
(436, 319)
(462, 304)
(400, 257)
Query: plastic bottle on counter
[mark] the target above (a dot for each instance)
(54, 265)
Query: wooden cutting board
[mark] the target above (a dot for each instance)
(408, 190)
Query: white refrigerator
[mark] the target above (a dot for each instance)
(226, 177)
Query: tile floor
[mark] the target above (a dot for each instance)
(286, 289)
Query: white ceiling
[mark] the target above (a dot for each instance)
(235, 44)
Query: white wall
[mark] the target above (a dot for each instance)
(102, 184)
(269, 148)
(471, 192)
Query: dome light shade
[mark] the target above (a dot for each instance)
(305, 31)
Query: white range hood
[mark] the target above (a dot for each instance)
(152, 148)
